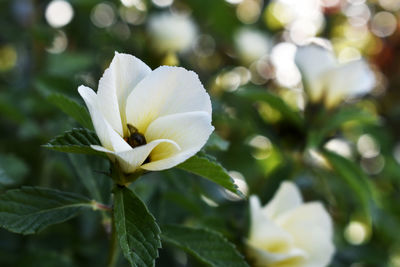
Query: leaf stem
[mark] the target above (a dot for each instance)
(113, 253)
(100, 206)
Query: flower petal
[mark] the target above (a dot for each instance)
(166, 90)
(189, 130)
(264, 258)
(265, 235)
(311, 228)
(108, 137)
(130, 160)
(287, 197)
(313, 61)
(118, 81)
(352, 79)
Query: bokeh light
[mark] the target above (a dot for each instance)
(262, 147)
(367, 146)
(59, 13)
(383, 24)
(248, 11)
(282, 57)
(59, 44)
(8, 57)
(103, 15)
(356, 233)
(172, 32)
(251, 45)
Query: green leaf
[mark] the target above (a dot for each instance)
(77, 140)
(209, 247)
(91, 173)
(137, 231)
(274, 101)
(71, 108)
(353, 176)
(327, 124)
(210, 169)
(31, 209)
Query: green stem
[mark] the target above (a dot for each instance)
(114, 249)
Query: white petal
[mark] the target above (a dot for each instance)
(189, 130)
(352, 79)
(130, 160)
(264, 233)
(262, 258)
(166, 90)
(287, 197)
(118, 81)
(311, 228)
(108, 137)
(313, 61)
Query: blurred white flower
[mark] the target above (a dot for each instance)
(251, 45)
(150, 120)
(287, 232)
(172, 32)
(325, 78)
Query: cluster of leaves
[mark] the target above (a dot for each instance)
(31, 209)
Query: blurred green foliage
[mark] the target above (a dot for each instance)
(259, 134)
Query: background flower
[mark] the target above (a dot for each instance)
(327, 79)
(287, 232)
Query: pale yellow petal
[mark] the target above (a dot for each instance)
(189, 130)
(265, 234)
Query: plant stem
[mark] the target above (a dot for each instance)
(114, 249)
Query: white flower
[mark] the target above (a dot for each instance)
(288, 233)
(150, 120)
(172, 32)
(326, 78)
(251, 45)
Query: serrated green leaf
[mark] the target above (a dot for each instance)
(137, 231)
(77, 140)
(209, 247)
(210, 169)
(31, 209)
(353, 176)
(71, 108)
(274, 101)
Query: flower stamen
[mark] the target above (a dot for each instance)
(136, 139)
